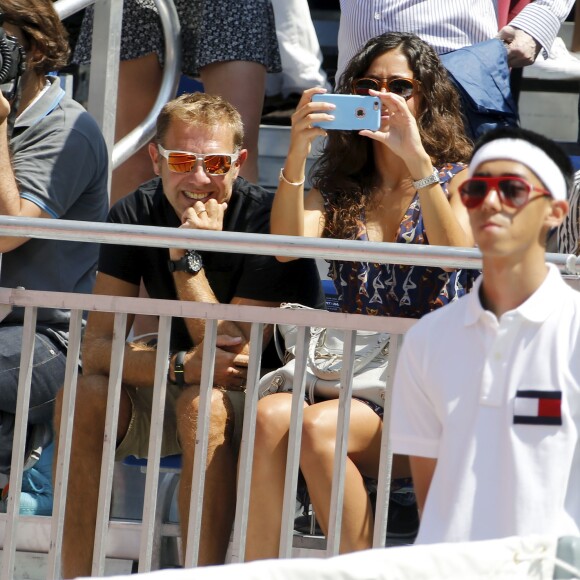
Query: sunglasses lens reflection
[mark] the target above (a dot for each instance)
(213, 164)
(513, 192)
(218, 164)
(181, 162)
(402, 87)
(363, 86)
(473, 192)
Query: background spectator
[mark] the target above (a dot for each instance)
(301, 59)
(568, 236)
(525, 30)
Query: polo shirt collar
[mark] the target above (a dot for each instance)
(43, 106)
(537, 308)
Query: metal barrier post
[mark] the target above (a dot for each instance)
(18, 446)
(105, 68)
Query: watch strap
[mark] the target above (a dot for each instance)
(429, 180)
(177, 265)
(184, 264)
(178, 368)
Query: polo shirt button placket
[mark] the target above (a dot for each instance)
(496, 376)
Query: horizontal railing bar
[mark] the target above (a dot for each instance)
(34, 535)
(239, 243)
(243, 243)
(203, 310)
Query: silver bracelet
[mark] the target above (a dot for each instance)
(282, 178)
(430, 180)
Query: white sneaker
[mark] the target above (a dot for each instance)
(560, 65)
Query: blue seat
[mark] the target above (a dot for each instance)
(130, 496)
(169, 463)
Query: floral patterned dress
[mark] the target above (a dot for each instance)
(399, 290)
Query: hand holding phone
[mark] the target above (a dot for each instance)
(351, 113)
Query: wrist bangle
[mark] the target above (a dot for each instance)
(430, 180)
(282, 178)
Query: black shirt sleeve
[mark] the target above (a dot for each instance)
(259, 277)
(121, 261)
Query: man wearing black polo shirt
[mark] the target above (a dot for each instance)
(197, 155)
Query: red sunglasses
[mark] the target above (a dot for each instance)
(512, 191)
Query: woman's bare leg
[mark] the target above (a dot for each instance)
(241, 83)
(268, 473)
(139, 83)
(317, 464)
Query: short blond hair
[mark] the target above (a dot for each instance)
(201, 109)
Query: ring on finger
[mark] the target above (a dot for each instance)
(201, 211)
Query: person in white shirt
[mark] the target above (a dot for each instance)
(487, 390)
(300, 52)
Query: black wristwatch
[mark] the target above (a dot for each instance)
(191, 263)
(178, 369)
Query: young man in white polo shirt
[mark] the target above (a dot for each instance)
(487, 390)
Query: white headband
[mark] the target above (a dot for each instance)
(527, 154)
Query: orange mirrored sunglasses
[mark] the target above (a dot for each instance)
(185, 161)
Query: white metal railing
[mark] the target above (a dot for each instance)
(31, 300)
(240, 243)
(118, 538)
(28, 533)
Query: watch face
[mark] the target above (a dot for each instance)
(194, 263)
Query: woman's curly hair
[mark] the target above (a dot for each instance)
(346, 168)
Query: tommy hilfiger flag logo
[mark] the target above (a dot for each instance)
(538, 407)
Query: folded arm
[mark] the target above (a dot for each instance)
(139, 363)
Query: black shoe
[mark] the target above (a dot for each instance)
(402, 523)
(302, 525)
(403, 520)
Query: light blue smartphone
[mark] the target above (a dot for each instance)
(352, 112)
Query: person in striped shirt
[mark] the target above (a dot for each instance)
(448, 26)
(568, 234)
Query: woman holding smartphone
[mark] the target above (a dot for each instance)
(396, 184)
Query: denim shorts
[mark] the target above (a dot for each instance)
(48, 369)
